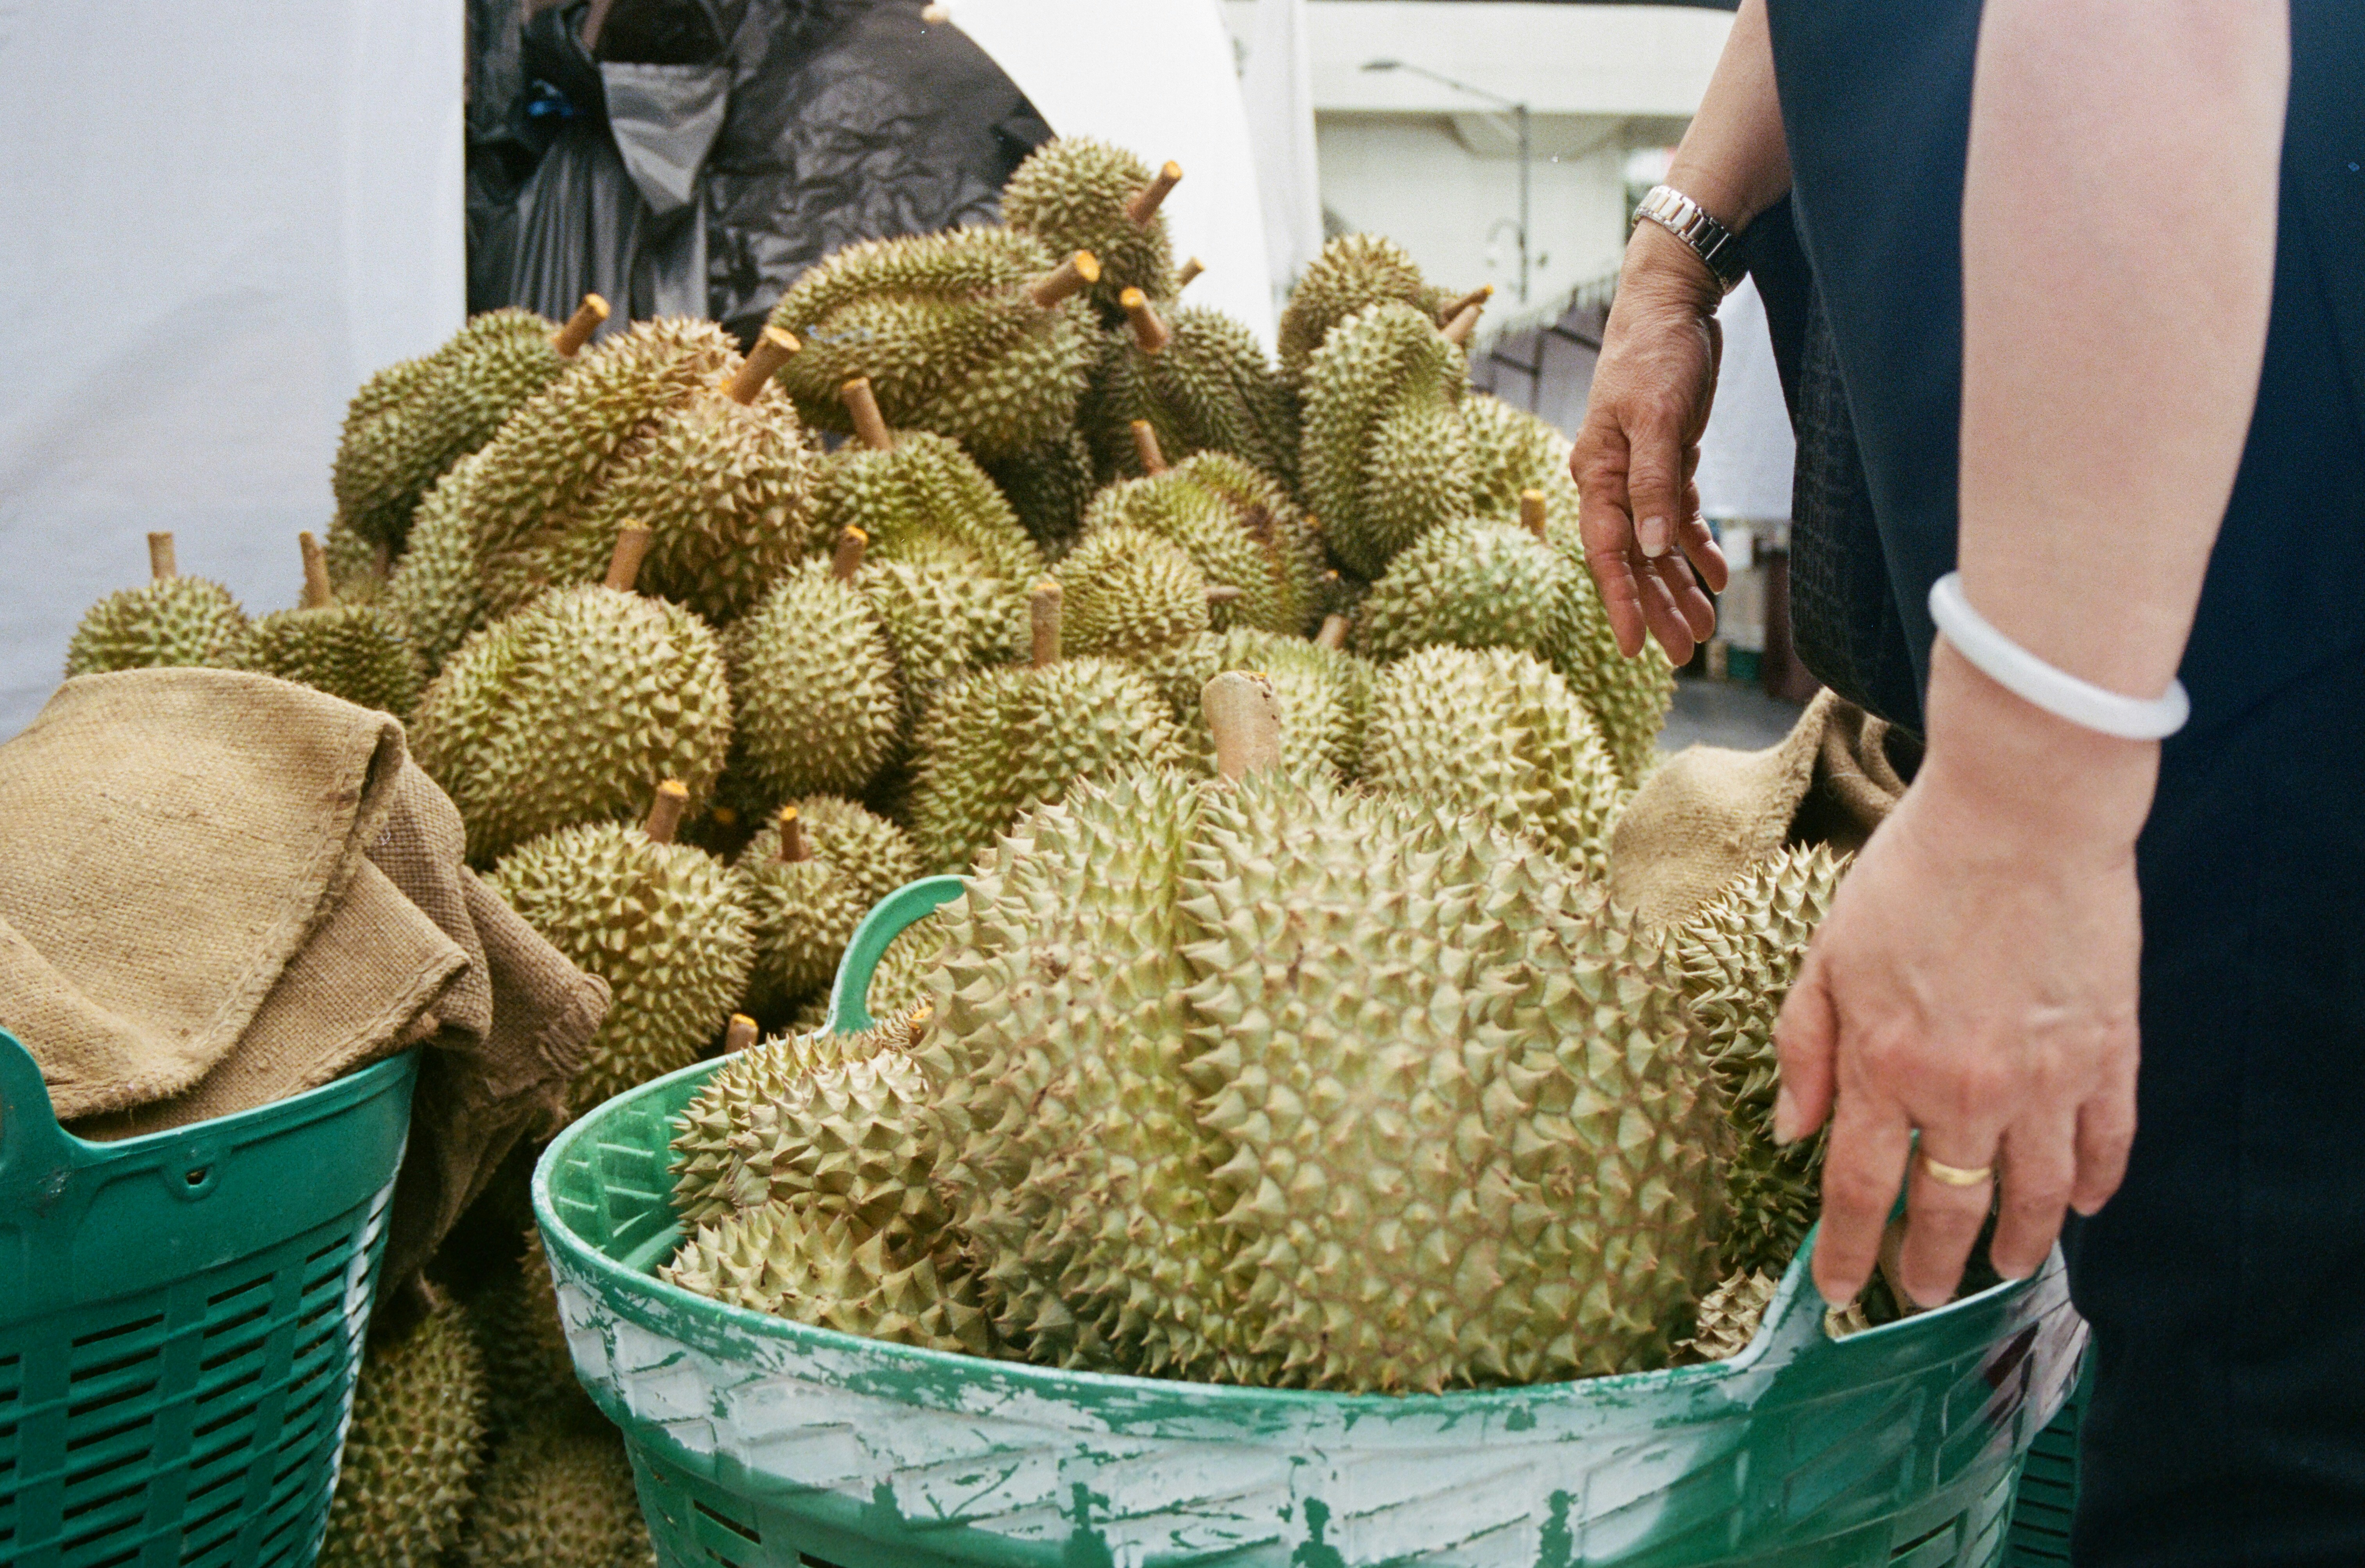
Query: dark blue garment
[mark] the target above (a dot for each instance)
(2226, 1281)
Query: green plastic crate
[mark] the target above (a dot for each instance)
(181, 1318)
(761, 1443)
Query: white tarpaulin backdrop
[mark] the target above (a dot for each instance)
(214, 220)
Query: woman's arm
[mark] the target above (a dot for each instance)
(1977, 976)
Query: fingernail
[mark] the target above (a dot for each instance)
(1785, 1117)
(1651, 533)
(1839, 1301)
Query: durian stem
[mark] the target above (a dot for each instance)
(624, 563)
(664, 811)
(160, 564)
(740, 1035)
(862, 407)
(1222, 593)
(1043, 608)
(1073, 275)
(1144, 207)
(1465, 321)
(1148, 329)
(763, 361)
(794, 846)
(1189, 270)
(569, 339)
(1244, 711)
(1333, 635)
(1531, 511)
(847, 560)
(1145, 446)
(1478, 296)
(317, 594)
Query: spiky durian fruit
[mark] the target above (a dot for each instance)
(820, 709)
(1512, 450)
(854, 1140)
(529, 1371)
(896, 986)
(722, 479)
(1078, 193)
(811, 874)
(357, 569)
(410, 1460)
(1739, 958)
(943, 614)
(1009, 738)
(572, 708)
(1048, 487)
(559, 1494)
(826, 1270)
(410, 422)
(665, 924)
(1239, 528)
(435, 589)
(913, 493)
(1729, 1317)
(1324, 694)
(1201, 383)
(1353, 272)
(170, 620)
(968, 333)
(353, 651)
(1472, 585)
(1127, 591)
(1384, 454)
(1495, 734)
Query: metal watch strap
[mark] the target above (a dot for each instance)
(1714, 243)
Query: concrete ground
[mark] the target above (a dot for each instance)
(1725, 713)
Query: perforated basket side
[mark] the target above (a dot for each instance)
(2047, 1498)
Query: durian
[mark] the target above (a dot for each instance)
(912, 492)
(665, 924)
(968, 333)
(357, 569)
(812, 875)
(943, 614)
(1739, 959)
(570, 711)
(1353, 272)
(898, 985)
(410, 422)
(559, 1494)
(1048, 488)
(353, 651)
(170, 620)
(826, 1270)
(1239, 528)
(1201, 383)
(529, 1371)
(1729, 1317)
(1472, 585)
(1384, 458)
(820, 707)
(409, 1463)
(1126, 592)
(1008, 738)
(1078, 193)
(852, 1140)
(1324, 693)
(435, 589)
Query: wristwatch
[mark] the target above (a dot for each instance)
(1682, 217)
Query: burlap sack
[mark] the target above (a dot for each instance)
(1707, 813)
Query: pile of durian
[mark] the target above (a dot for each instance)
(712, 649)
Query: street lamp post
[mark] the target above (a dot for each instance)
(1518, 112)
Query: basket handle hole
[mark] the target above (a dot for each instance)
(199, 1175)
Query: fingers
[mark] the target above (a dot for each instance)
(2106, 1132)
(1698, 611)
(1654, 482)
(2037, 1165)
(1943, 1219)
(1861, 1174)
(1805, 1036)
(1701, 550)
(1597, 464)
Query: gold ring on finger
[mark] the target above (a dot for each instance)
(1958, 1175)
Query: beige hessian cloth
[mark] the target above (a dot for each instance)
(1707, 813)
(219, 890)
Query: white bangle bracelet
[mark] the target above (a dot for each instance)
(2057, 691)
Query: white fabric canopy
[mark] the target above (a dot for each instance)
(214, 220)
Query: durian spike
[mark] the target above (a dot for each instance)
(1244, 711)
(1148, 329)
(317, 594)
(1531, 511)
(1145, 446)
(771, 352)
(1188, 271)
(1222, 593)
(741, 1034)
(1075, 274)
(862, 407)
(624, 563)
(1465, 321)
(1333, 635)
(1478, 296)
(569, 340)
(1144, 207)
(1043, 608)
(664, 811)
(794, 846)
(160, 564)
(847, 560)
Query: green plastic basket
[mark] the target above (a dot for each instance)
(181, 1317)
(761, 1443)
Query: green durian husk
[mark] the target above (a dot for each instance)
(435, 589)
(1129, 592)
(358, 568)
(1353, 272)
(945, 330)
(574, 710)
(1729, 1317)
(529, 1371)
(944, 614)
(665, 924)
(1324, 695)
(820, 711)
(1472, 585)
(1071, 194)
(353, 651)
(1383, 455)
(1239, 528)
(1210, 389)
(805, 911)
(558, 1494)
(1048, 488)
(174, 622)
(408, 1468)
(919, 497)
(855, 1140)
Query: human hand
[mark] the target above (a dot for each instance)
(1976, 980)
(1637, 450)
